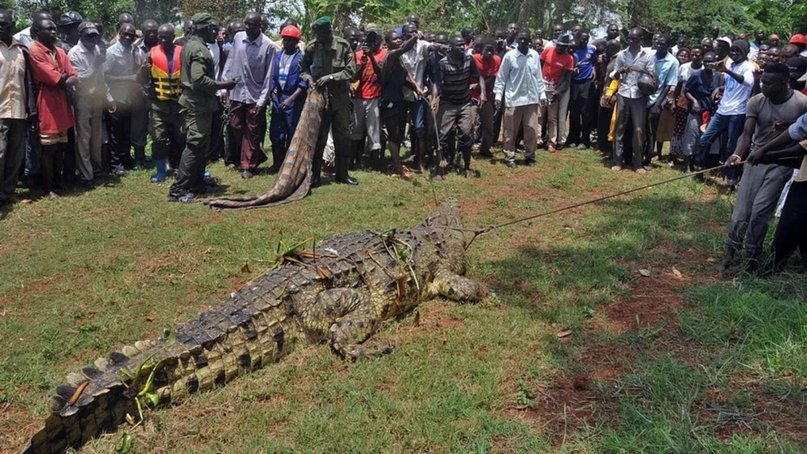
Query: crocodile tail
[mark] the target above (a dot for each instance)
(293, 180)
(229, 340)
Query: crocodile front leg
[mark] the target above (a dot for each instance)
(457, 288)
(345, 317)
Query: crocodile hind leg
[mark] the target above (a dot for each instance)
(346, 318)
(457, 288)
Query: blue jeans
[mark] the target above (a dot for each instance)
(717, 126)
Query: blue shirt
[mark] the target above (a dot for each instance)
(666, 75)
(585, 58)
(798, 130)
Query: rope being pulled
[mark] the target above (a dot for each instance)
(483, 230)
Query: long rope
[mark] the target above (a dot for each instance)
(483, 230)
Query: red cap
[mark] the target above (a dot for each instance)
(290, 31)
(798, 38)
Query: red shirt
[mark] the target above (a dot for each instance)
(369, 81)
(53, 106)
(487, 69)
(554, 64)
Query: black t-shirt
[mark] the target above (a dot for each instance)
(393, 77)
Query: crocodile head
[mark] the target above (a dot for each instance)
(446, 220)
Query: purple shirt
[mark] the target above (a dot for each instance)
(252, 61)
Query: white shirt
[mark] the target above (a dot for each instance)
(91, 84)
(520, 81)
(736, 94)
(414, 62)
(12, 82)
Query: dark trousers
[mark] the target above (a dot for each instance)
(580, 112)
(248, 125)
(791, 233)
(281, 128)
(69, 158)
(51, 166)
(167, 139)
(650, 144)
(216, 148)
(120, 137)
(335, 119)
(12, 154)
(603, 127)
(191, 169)
(631, 111)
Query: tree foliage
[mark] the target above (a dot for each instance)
(693, 17)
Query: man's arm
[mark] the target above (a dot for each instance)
(267, 80)
(501, 81)
(44, 70)
(349, 72)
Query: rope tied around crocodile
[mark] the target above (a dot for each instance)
(487, 229)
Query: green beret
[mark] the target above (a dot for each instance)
(321, 22)
(202, 20)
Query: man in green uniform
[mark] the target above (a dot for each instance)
(198, 102)
(329, 65)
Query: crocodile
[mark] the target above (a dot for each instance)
(338, 293)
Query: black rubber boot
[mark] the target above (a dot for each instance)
(342, 164)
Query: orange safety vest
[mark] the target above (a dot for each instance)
(167, 87)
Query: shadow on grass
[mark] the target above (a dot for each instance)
(586, 267)
(681, 394)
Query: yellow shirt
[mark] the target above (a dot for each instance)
(12, 82)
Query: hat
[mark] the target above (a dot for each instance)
(723, 39)
(742, 45)
(70, 18)
(798, 39)
(87, 28)
(321, 22)
(564, 40)
(797, 67)
(290, 31)
(201, 20)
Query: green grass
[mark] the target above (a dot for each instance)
(88, 273)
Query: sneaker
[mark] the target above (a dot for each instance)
(551, 148)
(511, 164)
(246, 174)
(616, 168)
(157, 178)
(52, 196)
(118, 171)
(641, 170)
(581, 146)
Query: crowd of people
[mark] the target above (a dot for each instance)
(75, 107)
